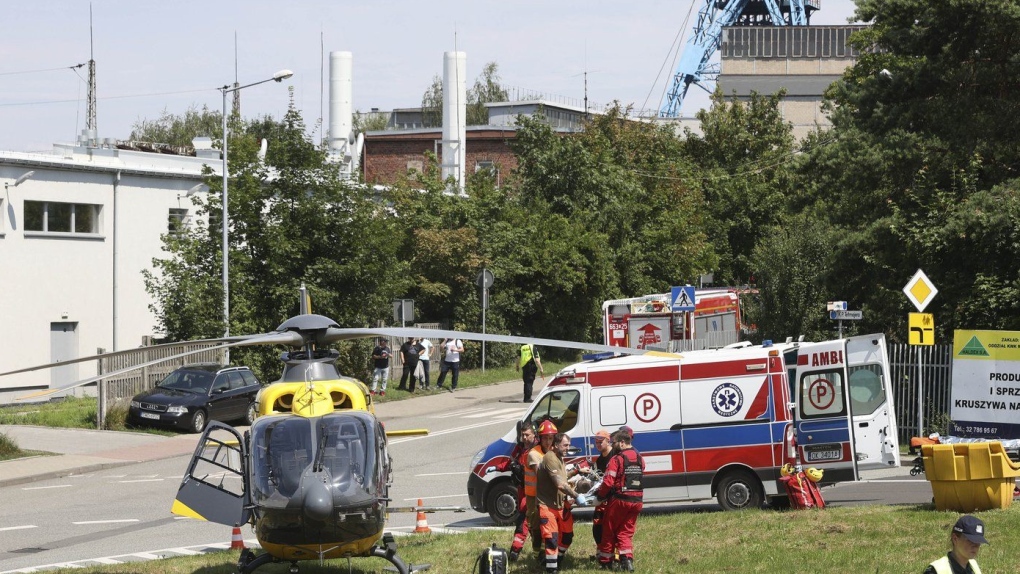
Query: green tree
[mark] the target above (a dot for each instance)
(745, 160)
(432, 104)
(179, 130)
(293, 222)
(487, 89)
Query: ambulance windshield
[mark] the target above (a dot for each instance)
(560, 407)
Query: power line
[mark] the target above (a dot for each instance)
(105, 98)
(42, 70)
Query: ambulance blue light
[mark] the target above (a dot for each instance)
(598, 356)
(766, 343)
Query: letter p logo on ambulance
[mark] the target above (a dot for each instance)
(727, 399)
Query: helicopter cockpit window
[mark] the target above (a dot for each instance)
(560, 407)
(281, 451)
(348, 452)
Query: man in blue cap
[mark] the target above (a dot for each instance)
(966, 539)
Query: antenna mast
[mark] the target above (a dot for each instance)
(90, 123)
(236, 112)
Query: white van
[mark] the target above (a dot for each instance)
(719, 423)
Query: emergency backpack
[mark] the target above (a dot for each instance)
(517, 472)
(492, 561)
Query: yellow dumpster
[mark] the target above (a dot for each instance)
(970, 476)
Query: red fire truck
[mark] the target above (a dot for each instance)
(647, 322)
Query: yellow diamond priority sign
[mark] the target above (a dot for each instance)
(920, 290)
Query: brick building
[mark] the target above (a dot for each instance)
(391, 154)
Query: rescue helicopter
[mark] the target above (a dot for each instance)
(312, 473)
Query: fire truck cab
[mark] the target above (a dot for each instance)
(718, 423)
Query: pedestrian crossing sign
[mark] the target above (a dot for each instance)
(681, 298)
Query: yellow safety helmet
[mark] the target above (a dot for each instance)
(815, 474)
(787, 470)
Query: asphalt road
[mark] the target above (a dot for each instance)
(123, 514)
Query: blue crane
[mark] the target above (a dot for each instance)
(713, 16)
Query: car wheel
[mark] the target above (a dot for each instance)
(198, 421)
(250, 413)
(739, 489)
(502, 503)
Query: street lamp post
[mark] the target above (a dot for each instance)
(277, 77)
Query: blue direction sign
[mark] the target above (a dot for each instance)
(681, 298)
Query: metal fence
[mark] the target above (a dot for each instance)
(928, 369)
(118, 389)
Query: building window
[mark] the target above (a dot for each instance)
(58, 217)
(177, 221)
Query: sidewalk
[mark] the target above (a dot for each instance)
(80, 451)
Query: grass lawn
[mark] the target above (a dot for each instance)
(862, 539)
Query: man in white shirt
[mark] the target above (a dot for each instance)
(451, 362)
(424, 357)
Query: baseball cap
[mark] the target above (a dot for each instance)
(971, 528)
(603, 434)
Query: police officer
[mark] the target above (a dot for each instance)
(966, 539)
(516, 464)
(621, 485)
(529, 365)
(546, 433)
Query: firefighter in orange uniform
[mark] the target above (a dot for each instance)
(555, 519)
(546, 434)
(516, 465)
(621, 486)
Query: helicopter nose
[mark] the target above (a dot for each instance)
(318, 501)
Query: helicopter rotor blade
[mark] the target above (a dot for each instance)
(288, 339)
(267, 339)
(333, 335)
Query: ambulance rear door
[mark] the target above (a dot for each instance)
(871, 402)
(825, 438)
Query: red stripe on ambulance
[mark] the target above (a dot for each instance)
(632, 376)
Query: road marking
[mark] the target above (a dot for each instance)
(107, 561)
(516, 412)
(433, 497)
(447, 431)
(185, 551)
(443, 474)
(25, 527)
(460, 413)
(147, 556)
(84, 522)
(47, 487)
(141, 480)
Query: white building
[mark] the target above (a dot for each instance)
(75, 237)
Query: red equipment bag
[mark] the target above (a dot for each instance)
(803, 492)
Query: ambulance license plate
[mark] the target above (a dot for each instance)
(153, 416)
(822, 453)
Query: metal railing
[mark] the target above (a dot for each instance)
(934, 381)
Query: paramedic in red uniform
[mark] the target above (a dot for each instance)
(622, 487)
(519, 459)
(546, 433)
(555, 518)
(605, 447)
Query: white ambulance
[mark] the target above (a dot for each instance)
(719, 423)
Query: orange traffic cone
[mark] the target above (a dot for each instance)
(236, 541)
(422, 524)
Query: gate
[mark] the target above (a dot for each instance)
(937, 378)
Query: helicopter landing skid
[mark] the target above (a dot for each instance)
(249, 562)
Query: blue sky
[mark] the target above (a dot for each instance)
(155, 56)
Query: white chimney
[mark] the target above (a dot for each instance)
(341, 100)
(454, 117)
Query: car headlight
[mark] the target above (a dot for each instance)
(136, 404)
(476, 459)
(177, 410)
